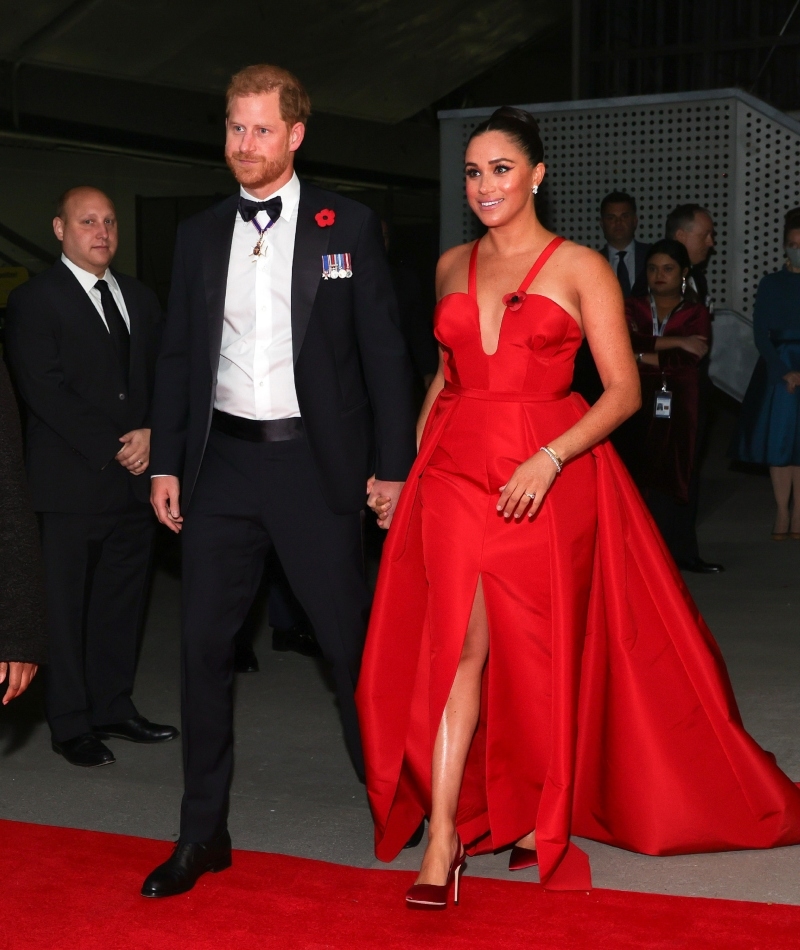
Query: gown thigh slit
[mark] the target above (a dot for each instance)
(606, 709)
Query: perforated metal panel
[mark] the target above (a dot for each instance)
(723, 149)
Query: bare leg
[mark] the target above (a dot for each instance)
(458, 725)
(794, 525)
(781, 476)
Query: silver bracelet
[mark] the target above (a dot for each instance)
(553, 458)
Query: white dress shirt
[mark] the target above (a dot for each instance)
(630, 259)
(255, 376)
(88, 280)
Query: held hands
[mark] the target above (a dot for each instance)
(165, 493)
(792, 380)
(19, 678)
(533, 477)
(382, 498)
(135, 452)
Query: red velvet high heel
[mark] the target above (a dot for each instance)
(434, 896)
(521, 858)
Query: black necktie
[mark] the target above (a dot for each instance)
(120, 335)
(622, 274)
(249, 209)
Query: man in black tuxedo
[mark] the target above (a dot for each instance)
(82, 340)
(283, 400)
(627, 257)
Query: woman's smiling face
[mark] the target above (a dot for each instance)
(499, 178)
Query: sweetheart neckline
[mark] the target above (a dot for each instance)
(461, 293)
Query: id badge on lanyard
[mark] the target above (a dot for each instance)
(663, 401)
(662, 408)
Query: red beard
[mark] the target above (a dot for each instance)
(258, 175)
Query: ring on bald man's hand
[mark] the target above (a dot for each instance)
(531, 495)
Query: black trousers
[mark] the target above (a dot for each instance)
(97, 570)
(677, 521)
(250, 496)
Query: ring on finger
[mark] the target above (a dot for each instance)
(531, 495)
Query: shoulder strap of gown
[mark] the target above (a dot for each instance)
(472, 280)
(541, 260)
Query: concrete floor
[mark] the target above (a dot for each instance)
(294, 791)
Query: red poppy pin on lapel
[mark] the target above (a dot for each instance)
(325, 218)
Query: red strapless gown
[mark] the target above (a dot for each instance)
(606, 709)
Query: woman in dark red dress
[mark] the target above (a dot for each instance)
(670, 330)
(535, 667)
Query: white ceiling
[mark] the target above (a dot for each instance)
(374, 59)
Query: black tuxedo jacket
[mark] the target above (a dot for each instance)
(77, 402)
(639, 288)
(352, 372)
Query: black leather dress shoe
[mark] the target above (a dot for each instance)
(180, 872)
(296, 639)
(137, 729)
(415, 839)
(245, 660)
(698, 566)
(86, 750)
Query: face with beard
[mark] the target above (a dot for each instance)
(260, 144)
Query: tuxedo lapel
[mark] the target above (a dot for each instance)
(310, 243)
(216, 257)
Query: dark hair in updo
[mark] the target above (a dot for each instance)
(673, 249)
(519, 125)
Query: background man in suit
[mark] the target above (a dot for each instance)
(691, 224)
(627, 256)
(283, 384)
(82, 341)
(22, 624)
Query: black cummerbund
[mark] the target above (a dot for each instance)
(257, 430)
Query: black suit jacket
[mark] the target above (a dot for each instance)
(77, 402)
(352, 371)
(639, 288)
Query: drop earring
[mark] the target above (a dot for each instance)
(683, 286)
(535, 189)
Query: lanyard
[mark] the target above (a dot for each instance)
(658, 328)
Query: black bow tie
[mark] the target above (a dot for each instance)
(249, 209)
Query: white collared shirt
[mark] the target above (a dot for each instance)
(87, 280)
(255, 376)
(630, 259)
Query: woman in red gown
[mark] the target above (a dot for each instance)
(535, 667)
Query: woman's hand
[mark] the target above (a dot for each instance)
(533, 477)
(792, 380)
(696, 345)
(19, 678)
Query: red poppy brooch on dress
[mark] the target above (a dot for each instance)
(514, 301)
(325, 218)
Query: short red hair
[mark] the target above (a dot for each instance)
(295, 104)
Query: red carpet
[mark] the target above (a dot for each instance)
(63, 888)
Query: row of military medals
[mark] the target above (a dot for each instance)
(336, 265)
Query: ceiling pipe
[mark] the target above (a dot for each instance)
(28, 48)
